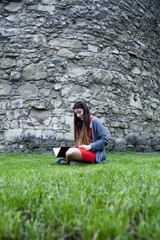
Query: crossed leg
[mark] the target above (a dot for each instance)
(73, 154)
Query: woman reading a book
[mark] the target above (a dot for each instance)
(89, 136)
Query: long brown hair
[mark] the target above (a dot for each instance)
(81, 128)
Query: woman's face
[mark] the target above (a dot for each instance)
(79, 113)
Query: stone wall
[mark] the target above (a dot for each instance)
(54, 52)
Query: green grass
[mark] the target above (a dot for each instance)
(42, 200)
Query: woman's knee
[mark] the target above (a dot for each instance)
(70, 153)
(74, 154)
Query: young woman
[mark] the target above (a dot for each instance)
(89, 136)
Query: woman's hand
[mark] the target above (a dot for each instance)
(86, 147)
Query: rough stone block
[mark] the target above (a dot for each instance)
(44, 8)
(18, 113)
(39, 39)
(119, 132)
(66, 53)
(35, 72)
(103, 77)
(14, 135)
(69, 136)
(68, 43)
(28, 90)
(40, 116)
(17, 103)
(120, 145)
(130, 147)
(15, 76)
(136, 70)
(48, 2)
(48, 135)
(4, 89)
(2, 147)
(135, 101)
(38, 104)
(157, 148)
(4, 105)
(66, 91)
(7, 63)
(92, 48)
(69, 122)
(58, 86)
(13, 6)
(3, 75)
(132, 139)
(4, 32)
(31, 135)
(74, 71)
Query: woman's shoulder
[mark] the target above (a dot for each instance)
(94, 117)
(96, 121)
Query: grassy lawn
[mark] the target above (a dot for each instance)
(42, 200)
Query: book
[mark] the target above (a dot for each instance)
(60, 151)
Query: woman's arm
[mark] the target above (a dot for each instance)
(100, 138)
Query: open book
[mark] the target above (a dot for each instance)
(60, 151)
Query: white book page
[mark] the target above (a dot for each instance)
(56, 151)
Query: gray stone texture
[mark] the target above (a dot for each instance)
(53, 53)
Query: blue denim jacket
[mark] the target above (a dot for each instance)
(100, 140)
